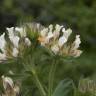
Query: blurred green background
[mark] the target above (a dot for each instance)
(80, 15)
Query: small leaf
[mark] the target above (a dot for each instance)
(64, 88)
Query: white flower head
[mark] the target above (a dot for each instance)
(27, 41)
(7, 81)
(15, 52)
(2, 42)
(55, 49)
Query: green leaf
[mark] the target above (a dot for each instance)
(64, 88)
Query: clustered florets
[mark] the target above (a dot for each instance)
(10, 88)
(53, 37)
(56, 39)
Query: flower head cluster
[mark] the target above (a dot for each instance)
(56, 39)
(10, 89)
(87, 85)
(10, 46)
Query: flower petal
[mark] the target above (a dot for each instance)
(2, 42)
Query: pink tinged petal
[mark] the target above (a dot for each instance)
(62, 41)
(2, 42)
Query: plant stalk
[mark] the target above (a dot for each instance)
(38, 84)
(51, 78)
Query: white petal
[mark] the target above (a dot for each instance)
(10, 31)
(44, 32)
(2, 56)
(55, 49)
(57, 30)
(2, 42)
(7, 81)
(50, 28)
(50, 35)
(77, 42)
(27, 41)
(78, 53)
(58, 27)
(21, 30)
(15, 52)
(15, 40)
(62, 41)
(67, 32)
(16, 89)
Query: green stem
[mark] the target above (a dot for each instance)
(51, 78)
(38, 84)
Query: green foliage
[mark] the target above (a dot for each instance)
(64, 88)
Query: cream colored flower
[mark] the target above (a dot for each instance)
(10, 88)
(7, 81)
(55, 38)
